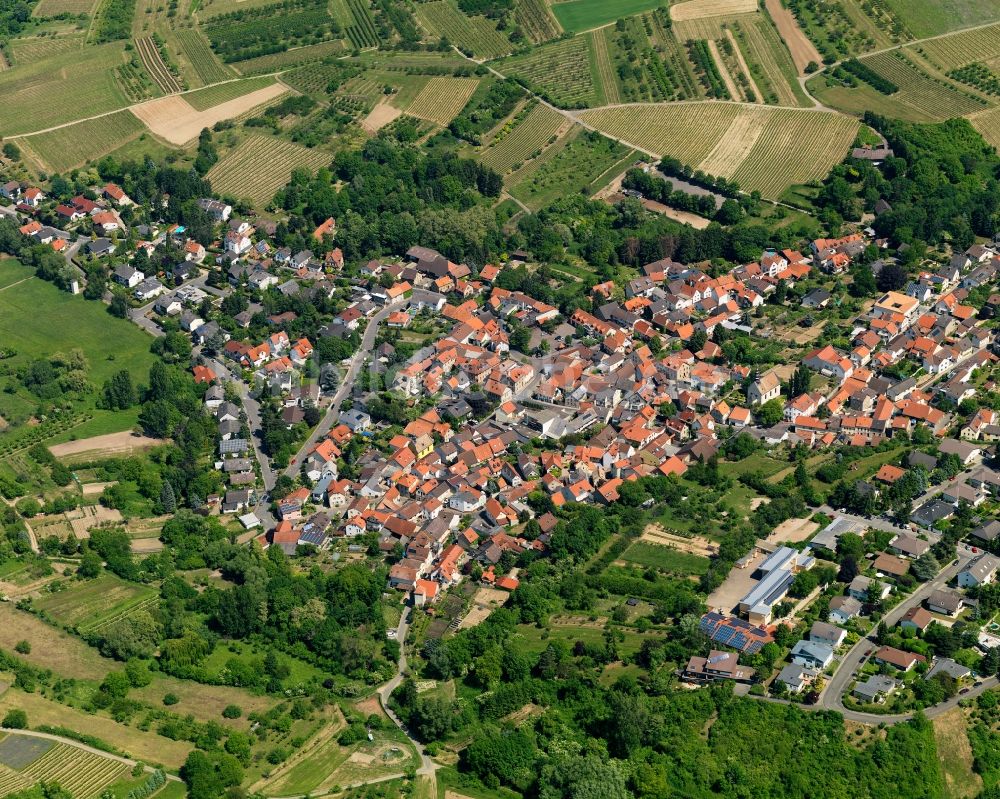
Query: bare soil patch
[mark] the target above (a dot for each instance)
(484, 603)
(111, 444)
(92, 517)
(173, 118)
(655, 534)
(89, 489)
(803, 51)
(793, 530)
(380, 116)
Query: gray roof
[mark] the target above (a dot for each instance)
(812, 650)
(875, 685)
(950, 667)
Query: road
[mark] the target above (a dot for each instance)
(332, 414)
(832, 697)
(427, 766)
(70, 742)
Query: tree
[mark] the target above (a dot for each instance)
(167, 499)
(134, 636)
(771, 412)
(697, 341)
(891, 277)
(119, 392)
(15, 720)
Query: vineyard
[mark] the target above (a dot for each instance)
(919, 91)
(529, 135)
(959, 49)
(535, 19)
(63, 149)
(571, 167)
(561, 72)
(26, 51)
(92, 604)
(206, 66)
(60, 89)
(769, 62)
(260, 166)
(254, 32)
(476, 36)
(362, 32)
(606, 77)
(699, 9)
(317, 80)
(203, 99)
(767, 149)
(442, 98)
(988, 124)
(83, 774)
(152, 60)
(291, 58)
(671, 54)
(53, 8)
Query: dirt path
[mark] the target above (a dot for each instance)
(19, 282)
(803, 51)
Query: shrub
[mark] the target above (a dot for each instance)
(23, 647)
(15, 719)
(232, 712)
(170, 699)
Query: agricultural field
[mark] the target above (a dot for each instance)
(152, 60)
(701, 9)
(574, 165)
(477, 36)
(62, 88)
(207, 9)
(535, 18)
(925, 18)
(959, 49)
(290, 58)
(260, 166)
(203, 99)
(316, 80)
(54, 8)
(441, 99)
(532, 133)
(583, 15)
(141, 745)
(30, 49)
(563, 72)
(253, 32)
(194, 56)
(74, 145)
(83, 774)
(361, 33)
(988, 124)
(925, 97)
(764, 149)
(90, 605)
(770, 64)
(843, 28)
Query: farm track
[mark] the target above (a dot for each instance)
(153, 61)
(742, 62)
(727, 78)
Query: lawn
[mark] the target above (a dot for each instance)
(90, 604)
(300, 671)
(534, 640)
(204, 702)
(581, 15)
(12, 271)
(38, 320)
(664, 558)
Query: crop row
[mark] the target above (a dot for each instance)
(535, 20)
(922, 90)
(362, 33)
(208, 68)
(560, 72)
(959, 49)
(82, 774)
(267, 29)
(475, 36)
(260, 166)
(978, 75)
(441, 99)
(153, 61)
(525, 141)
